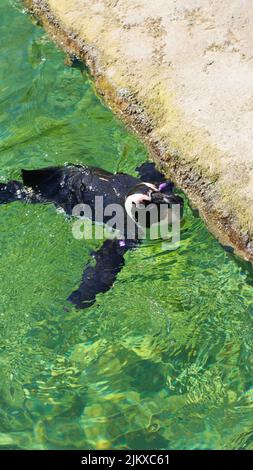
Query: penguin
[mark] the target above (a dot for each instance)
(72, 186)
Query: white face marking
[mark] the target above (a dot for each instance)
(136, 199)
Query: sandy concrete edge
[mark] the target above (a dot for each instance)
(199, 188)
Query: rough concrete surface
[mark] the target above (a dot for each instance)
(180, 72)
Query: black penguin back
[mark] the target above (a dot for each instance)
(70, 185)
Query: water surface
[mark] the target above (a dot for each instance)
(164, 360)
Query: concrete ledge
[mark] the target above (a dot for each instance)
(181, 75)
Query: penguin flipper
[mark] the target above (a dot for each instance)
(99, 278)
(149, 174)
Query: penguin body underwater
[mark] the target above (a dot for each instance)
(71, 185)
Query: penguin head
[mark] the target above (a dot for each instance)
(148, 204)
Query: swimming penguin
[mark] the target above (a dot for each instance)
(72, 185)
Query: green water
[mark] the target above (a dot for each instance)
(165, 359)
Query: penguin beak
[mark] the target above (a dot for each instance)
(159, 198)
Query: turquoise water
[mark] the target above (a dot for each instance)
(165, 359)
